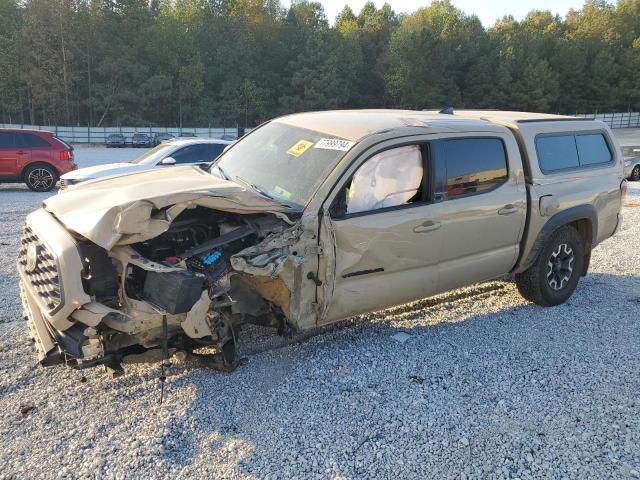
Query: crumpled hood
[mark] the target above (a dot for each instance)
(123, 210)
(98, 171)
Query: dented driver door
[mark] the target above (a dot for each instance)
(382, 257)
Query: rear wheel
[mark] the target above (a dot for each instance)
(635, 173)
(554, 275)
(40, 178)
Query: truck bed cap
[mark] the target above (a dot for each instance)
(514, 119)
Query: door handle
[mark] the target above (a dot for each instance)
(508, 210)
(428, 226)
(21, 152)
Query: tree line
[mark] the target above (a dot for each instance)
(238, 62)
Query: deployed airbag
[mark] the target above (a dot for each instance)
(387, 179)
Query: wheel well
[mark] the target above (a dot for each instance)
(585, 229)
(35, 164)
(583, 218)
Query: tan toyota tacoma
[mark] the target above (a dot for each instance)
(313, 218)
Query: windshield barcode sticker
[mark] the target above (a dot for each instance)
(334, 144)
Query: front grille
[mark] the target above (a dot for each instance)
(42, 274)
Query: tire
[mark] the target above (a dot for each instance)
(40, 178)
(635, 173)
(554, 275)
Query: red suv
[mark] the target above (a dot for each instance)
(34, 157)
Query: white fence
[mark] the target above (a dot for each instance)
(100, 134)
(616, 120)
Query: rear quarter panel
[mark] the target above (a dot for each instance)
(43, 154)
(598, 186)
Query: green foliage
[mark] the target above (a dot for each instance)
(239, 62)
(431, 53)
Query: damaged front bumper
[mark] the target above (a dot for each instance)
(51, 290)
(175, 308)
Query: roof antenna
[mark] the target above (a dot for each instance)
(447, 111)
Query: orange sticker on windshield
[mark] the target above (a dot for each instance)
(299, 148)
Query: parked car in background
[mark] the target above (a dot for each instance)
(631, 162)
(141, 140)
(197, 151)
(116, 140)
(158, 138)
(34, 157)
(229, 137)
(187, 135)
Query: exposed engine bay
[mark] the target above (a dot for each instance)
(201, 246)
(193, 285)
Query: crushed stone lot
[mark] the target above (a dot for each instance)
(480, 384)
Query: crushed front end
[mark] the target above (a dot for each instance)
(192, 283)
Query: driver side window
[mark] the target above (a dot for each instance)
(390, 178)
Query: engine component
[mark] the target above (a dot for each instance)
(214, 266)
(192, 228)
(173, 292)
(224, 239)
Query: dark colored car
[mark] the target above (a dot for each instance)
(232, 138)
(141, 140)
(34, 157)
(116, 140)
(158, 138)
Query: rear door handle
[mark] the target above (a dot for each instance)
(508, 210)
(21, 152)
(428, 226)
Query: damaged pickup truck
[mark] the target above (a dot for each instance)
(313, 218)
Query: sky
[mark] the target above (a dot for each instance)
(487, 10)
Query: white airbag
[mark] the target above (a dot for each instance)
(387, 179)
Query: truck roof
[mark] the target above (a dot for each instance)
(357, 124)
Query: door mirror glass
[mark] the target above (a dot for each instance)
(168, 161)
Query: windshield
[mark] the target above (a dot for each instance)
(283, 162)
(154, 155)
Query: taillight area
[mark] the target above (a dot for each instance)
(65, 155)
(624, 186)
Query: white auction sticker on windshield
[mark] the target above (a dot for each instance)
(334, 144)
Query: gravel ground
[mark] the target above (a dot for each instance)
(484, 386)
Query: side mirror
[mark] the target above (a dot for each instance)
(168, 161)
